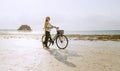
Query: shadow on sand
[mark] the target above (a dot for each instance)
(62, 56)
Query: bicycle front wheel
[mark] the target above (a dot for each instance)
(62, 42)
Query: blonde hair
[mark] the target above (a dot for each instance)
(47, 19)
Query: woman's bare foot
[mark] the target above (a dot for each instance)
(47, 47)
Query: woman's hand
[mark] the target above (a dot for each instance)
(57, 27)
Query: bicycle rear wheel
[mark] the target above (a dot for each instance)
(62, 41)
(43, 40)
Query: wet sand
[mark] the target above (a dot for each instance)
(105, 37)
(26, 54)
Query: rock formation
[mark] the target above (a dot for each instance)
(24, 28)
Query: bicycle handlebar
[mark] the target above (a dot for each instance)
(57, 27)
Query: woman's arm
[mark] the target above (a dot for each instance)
(51, 26)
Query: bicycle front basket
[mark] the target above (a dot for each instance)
(60, 32)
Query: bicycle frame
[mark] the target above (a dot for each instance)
(56, 35)
(59, 37)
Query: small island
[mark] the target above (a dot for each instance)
(24, 28)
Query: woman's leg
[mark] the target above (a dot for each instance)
(51, 39)
(47, 37)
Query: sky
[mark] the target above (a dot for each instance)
(70, 15)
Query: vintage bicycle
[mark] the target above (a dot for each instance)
(60, 39)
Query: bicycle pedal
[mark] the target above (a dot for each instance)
(52, 42)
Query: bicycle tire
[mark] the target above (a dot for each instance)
(61, 39)
(43, 39)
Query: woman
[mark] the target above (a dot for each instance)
(47, 29)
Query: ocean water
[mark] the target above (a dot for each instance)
(12, 31)
(99, 32)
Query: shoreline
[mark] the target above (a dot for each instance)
(91, 37)
(112, 37)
